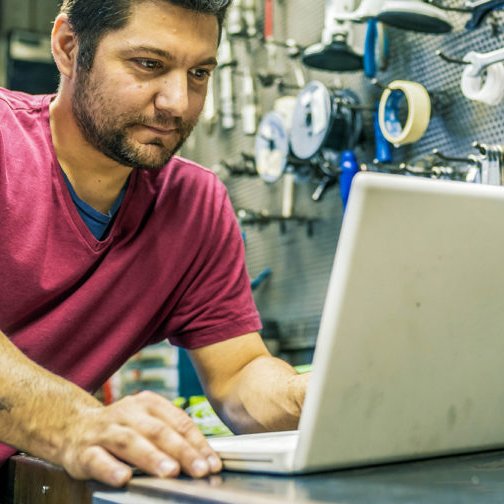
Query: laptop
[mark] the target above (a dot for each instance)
(408, 360)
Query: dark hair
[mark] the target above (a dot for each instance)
(92, 19)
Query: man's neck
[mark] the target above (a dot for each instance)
(96, 179)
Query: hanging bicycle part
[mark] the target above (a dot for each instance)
(325, 120)
(245, 167)
(413, 15)
(235, 19)
(483, 75)
(480, 10)
(335, 52)
(249, 109)
(250, 18)
(272, 147)
(294, 78)
(325, 123)
(263, 218)
(273, 153)
(491, 161)
(431, 166)
(376, 49)
(486, 167)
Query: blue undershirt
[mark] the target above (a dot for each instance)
(98, 223)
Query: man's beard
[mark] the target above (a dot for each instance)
(107, 132)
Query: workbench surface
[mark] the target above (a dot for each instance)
(476, 478)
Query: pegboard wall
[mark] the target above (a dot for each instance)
(293, 295)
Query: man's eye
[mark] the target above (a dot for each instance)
(148, 64)
(200, 74)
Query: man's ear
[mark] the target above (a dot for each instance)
(64, 45)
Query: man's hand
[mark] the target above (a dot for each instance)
(252, 391)
(144, 430)
(54, 419)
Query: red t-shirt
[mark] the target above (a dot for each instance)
(172, 266)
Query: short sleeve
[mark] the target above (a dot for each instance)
(218, 303)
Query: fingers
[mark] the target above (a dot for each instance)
(135, 448)
(194, 454)
(156, 449)
(146, 431)
(180, 437)
(185, 427)
(96, 463)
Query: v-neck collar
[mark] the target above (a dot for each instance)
(72, 214)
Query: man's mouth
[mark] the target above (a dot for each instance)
(161, 131)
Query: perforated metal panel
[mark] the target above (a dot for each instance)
(294, 293)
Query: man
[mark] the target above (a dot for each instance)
(110, 244)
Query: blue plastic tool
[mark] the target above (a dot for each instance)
(370, 49)
(375, 48)
(383, 148)
(349, 168)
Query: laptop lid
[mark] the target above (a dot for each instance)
(409, 353)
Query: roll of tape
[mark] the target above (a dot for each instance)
(419, 112)
(489, 89)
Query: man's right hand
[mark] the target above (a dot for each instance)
(144, 430)
(52, 418)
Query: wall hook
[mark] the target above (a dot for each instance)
(449, 59)
(451, 159)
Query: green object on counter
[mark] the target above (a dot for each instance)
(303, 369)
(179, 402)
(203, 415)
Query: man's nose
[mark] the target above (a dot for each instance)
(173, 95)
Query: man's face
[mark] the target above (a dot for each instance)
(148, 84)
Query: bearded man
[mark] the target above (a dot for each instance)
(110, 242)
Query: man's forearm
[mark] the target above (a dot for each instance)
(54, 419)
(36, 406)
(266, 395)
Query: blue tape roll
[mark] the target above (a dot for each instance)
(392, 123)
